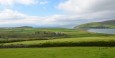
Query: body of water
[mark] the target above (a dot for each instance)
(105, 31)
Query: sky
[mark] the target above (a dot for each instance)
(54, 13)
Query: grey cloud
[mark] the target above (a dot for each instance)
(89, 10)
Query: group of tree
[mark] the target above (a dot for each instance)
(35, 35)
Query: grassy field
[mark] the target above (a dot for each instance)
(65, 40)
(59, 52)
(72, 32)
(73, 38)
(59, 48)
(28, 34)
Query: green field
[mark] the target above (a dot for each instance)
(59, 52)
(64, 41)
(76, 44)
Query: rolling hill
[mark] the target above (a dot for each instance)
(104, 24)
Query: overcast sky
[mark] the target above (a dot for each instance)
(54, 13)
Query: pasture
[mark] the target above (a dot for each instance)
(59, 52)
(75, 44)
(85, 41)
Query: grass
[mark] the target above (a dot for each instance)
(26, 34)
(59, 52)
(73, 38)
(85, 41)
(77, 37)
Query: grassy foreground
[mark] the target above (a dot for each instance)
(59, 52)
(76, 38)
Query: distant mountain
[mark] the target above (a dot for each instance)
(25, 27)
(104, 24)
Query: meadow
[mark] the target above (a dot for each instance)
(67, 42)
(59, 52)
(71, 44)
(52, 37)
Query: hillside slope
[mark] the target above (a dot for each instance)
(104, 24)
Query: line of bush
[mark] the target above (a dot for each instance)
(62, 44)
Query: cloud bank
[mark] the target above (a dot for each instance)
(76, 12)
(90, 9)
